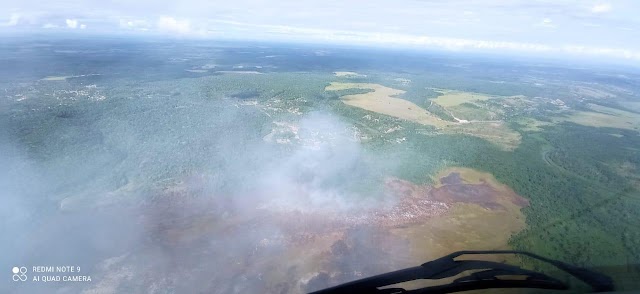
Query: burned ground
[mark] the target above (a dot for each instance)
(195, 241)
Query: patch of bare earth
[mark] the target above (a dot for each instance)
(384, 100)
(200, 243)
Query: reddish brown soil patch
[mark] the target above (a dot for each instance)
(454, 190)
(181, 217)
(483, 195)
(519, 200)
(260, 245)
(452, 179)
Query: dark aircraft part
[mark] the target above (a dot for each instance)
(487, 278)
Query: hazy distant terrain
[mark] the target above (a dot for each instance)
(222, 167)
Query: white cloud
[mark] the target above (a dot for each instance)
(455, 44)
(75, 24)
(126, 24)
(172, 25)
(601, 8)
(547, 23)
(13, 20)
(72, 23)
(424, 41)
(608, 52)
(50, 26)
(134, 24)
(591, 25)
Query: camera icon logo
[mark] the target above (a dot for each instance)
(19, 273)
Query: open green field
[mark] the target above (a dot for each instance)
(449, 98)
(384, 100)
(606, 117)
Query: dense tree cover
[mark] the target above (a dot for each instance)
(583, 210)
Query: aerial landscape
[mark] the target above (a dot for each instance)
(226, 167)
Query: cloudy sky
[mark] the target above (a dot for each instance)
(598, 29)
